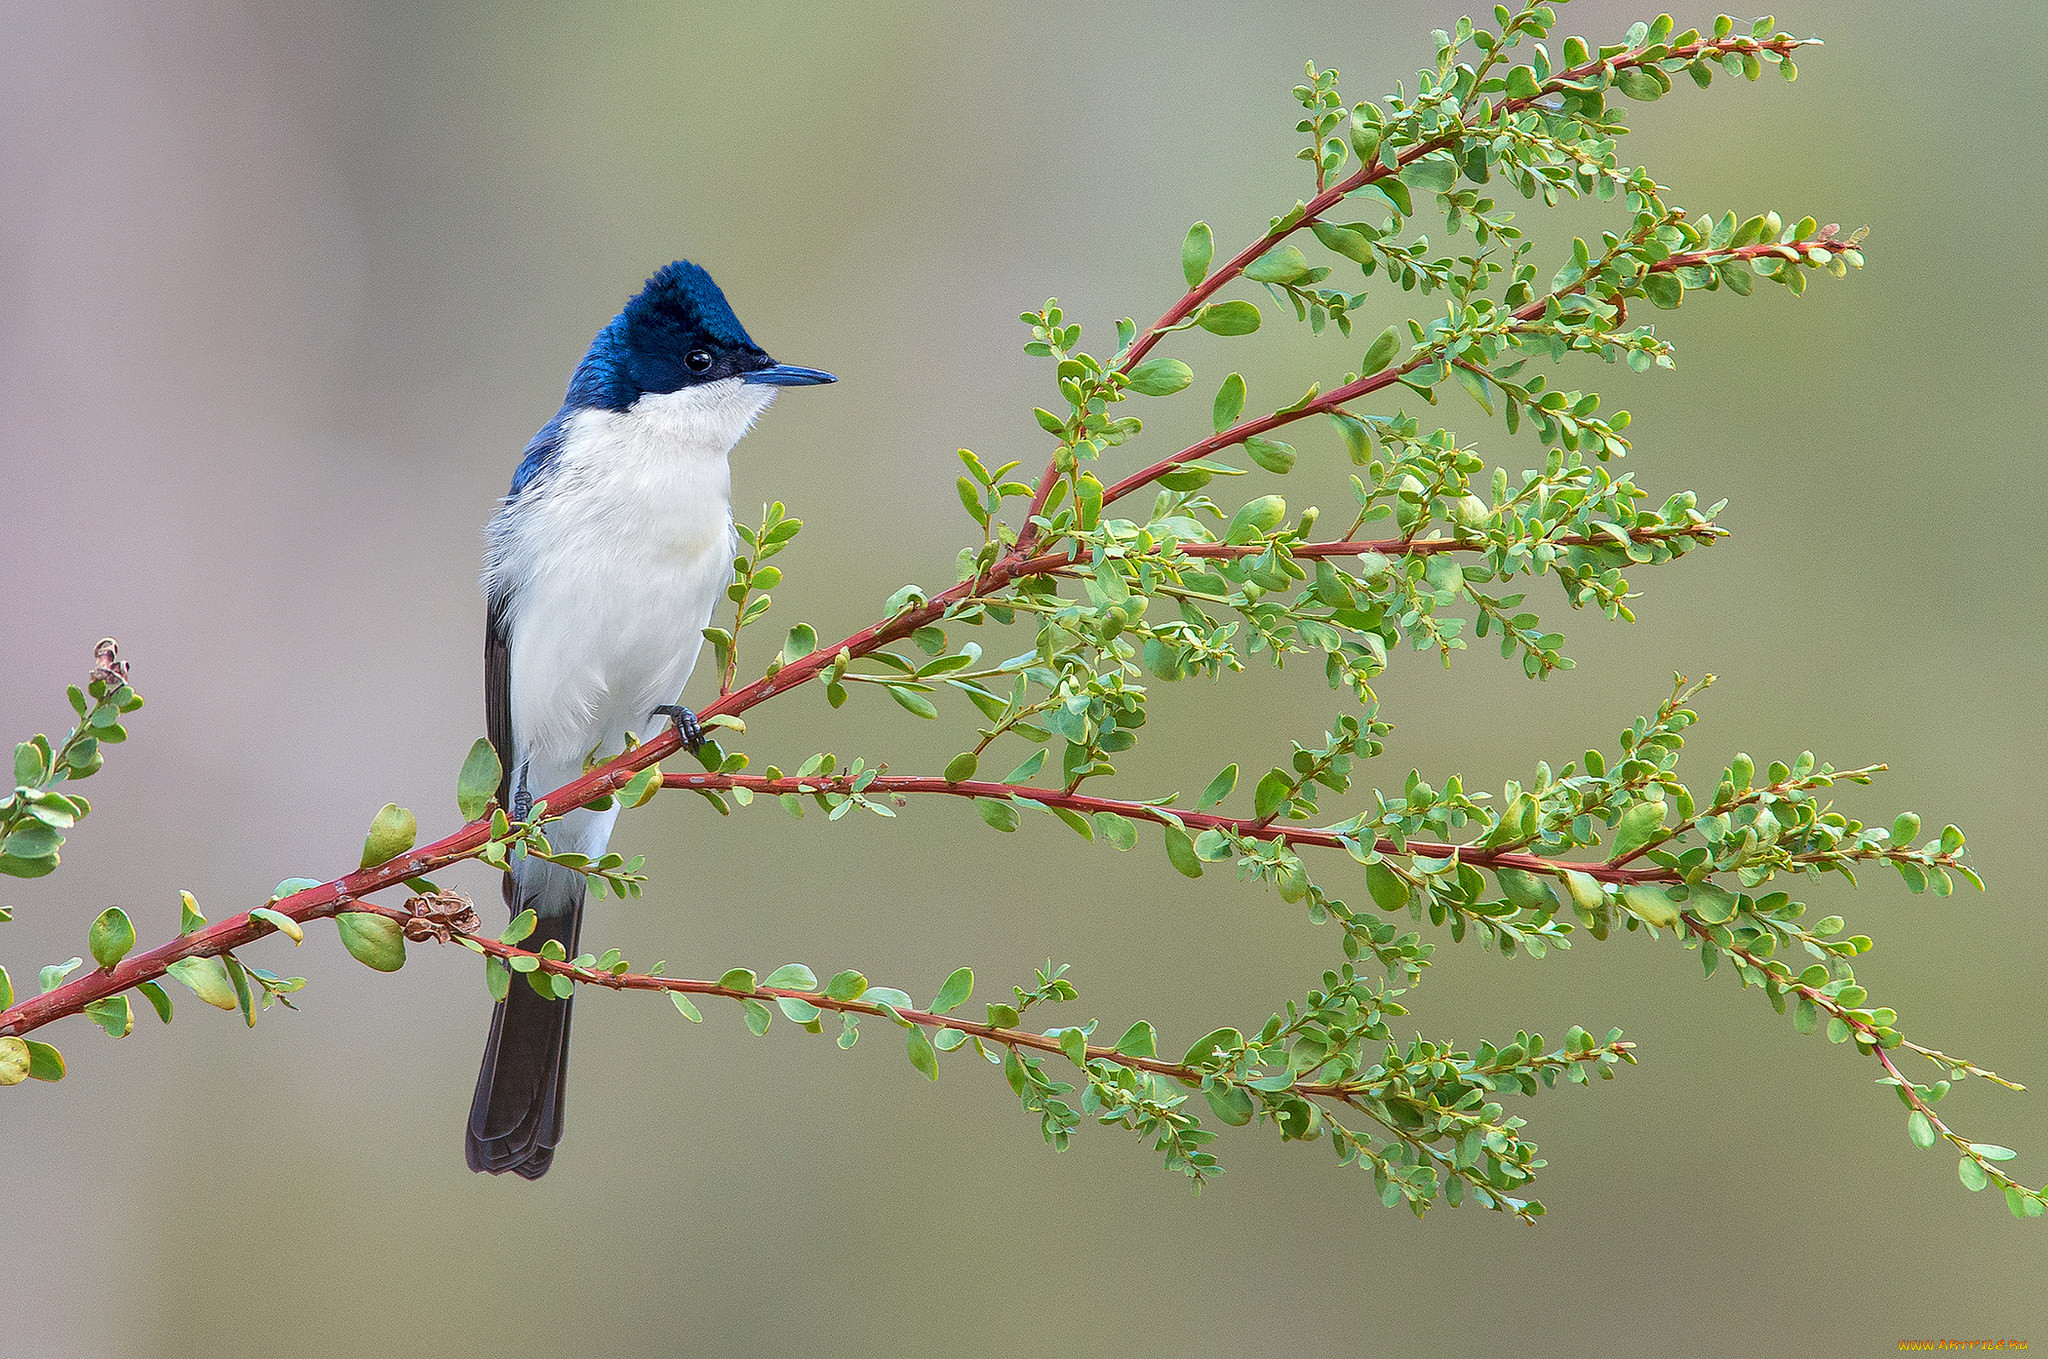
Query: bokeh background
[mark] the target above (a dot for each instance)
(283, 291)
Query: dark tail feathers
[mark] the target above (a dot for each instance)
(515, 1121)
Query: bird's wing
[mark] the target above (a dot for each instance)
(498, 695)
(533, 467)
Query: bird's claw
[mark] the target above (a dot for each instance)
(686, 725)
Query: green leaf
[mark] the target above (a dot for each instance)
(1639, 825)
(1390, 891)
(1474, 385)
(375, 941)
(1196, 252)
(921, 1055)
(999, 814)
(522, 926)
(1972, 1175)
(1232, 1104)
(1522, 84)
(1076, 822)
(14, 1058)
(847, 985)
(1001, 1016)
(280, 922)
(1381, 354)
(1434, 173)
(1208, 1049)
(1282, 264)
(1180, 850)
(207, 979)
(497, 978)
(1119, 830)
(1028, 770)
(114, 1014)
(1270, 454)
(16, 867)
(799, 1011)
(110, 937)
(912, 701)
(792, 977)
(1229, 318)
(739, 979)
(1530, 891)
(1991, 1151)
(1444, 576)
(1273, 792)
(1255, 520)
(190, 921)
(1219, 788)
(1088, 496)
(478, 782)
(158, 1001)
(1160, 377)
(962, 766)
(757, 1015)
(32, 841)
(957, 988)
(1638, 83)
(685, 1007)
(801, 642)
(1353, 242)
(1920, 1129)
(6, 990)
(1229, 403)
(1712, 903)
(1585, 890)
(891, 998)
(641, 788)
(1396, 194)
(45, 1063)
(1139, 1040)
(1648, 904)
(392, 832)
(1664, 290)
(53, 974)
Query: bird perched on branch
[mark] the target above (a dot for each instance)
(601, 570)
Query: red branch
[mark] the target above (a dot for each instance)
(1365, 386)
(1051, 563)
(990, 1033)
(1164, 816)
(1426, 547)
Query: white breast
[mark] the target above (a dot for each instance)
(613, 562)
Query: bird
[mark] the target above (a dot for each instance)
(601, 569)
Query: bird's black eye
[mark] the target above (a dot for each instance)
(698, 360)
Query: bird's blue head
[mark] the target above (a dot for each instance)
(678, 332)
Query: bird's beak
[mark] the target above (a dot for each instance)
(787, 375)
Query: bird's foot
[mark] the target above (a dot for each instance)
(686, 725)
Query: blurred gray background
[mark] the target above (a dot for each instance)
(286, 288)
